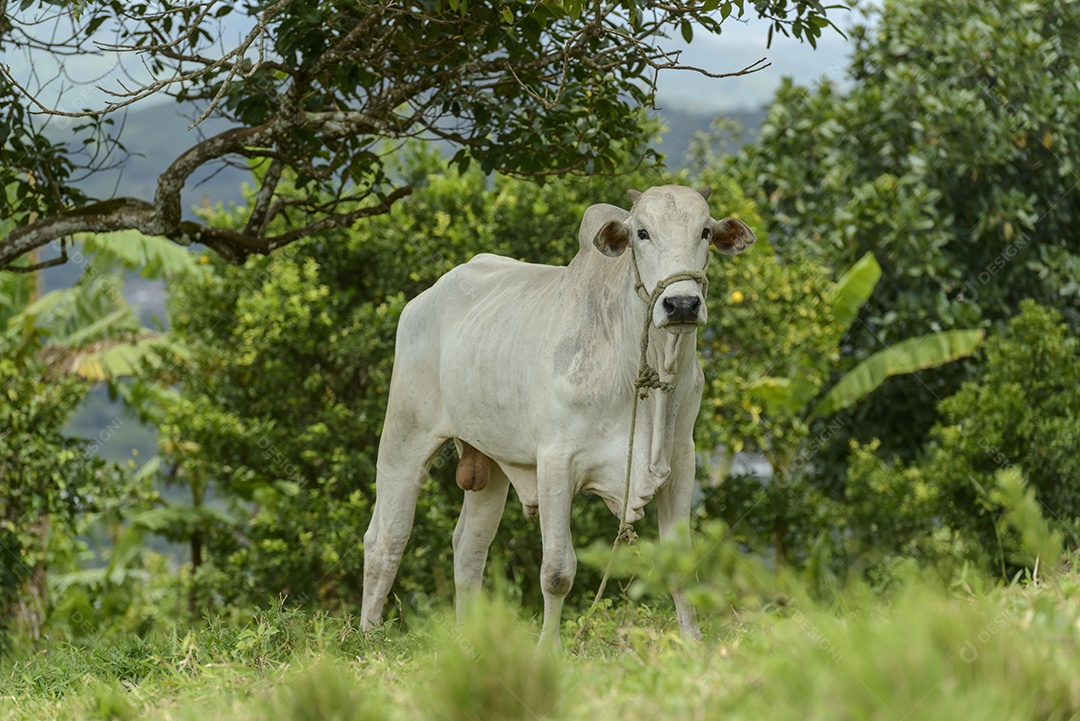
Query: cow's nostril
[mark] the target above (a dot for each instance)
(682, 308)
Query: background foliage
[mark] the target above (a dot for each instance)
(950, 159)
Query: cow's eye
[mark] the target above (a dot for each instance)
(706, 233)
(643, 234)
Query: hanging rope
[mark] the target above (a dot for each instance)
(648, 378)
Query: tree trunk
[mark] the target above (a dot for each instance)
(29, 611)
(196, 561)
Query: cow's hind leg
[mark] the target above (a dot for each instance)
(480, 516)
(403, 462)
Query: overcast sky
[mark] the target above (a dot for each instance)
(741, 44)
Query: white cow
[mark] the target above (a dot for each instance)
(530, 369)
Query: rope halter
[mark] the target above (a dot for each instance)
(648, 377)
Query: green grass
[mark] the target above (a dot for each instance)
(926, 653)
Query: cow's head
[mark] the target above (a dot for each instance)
(669, 230)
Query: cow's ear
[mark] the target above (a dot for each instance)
(612, 239)
(731, 236)
(633, 195)
(705, 192)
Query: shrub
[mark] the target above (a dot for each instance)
(1021, 412)
(964, 496)
(1005, 447)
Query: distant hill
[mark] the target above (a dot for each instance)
(683, 126)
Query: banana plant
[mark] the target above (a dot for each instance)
(89, 330)
(803, 394)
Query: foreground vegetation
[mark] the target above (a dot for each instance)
(931, 650)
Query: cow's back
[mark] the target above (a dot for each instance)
(471, 347)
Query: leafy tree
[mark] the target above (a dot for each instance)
(950, 159)
(47, 480)
(522, 87)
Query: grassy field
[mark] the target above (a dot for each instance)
(928, 652)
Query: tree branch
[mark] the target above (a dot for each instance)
(316, 87)
(104, 217)
(132, 214)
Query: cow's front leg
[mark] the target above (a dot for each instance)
(559, 562)
(673, 511)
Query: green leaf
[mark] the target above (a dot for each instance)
(1039, 544)
(127, 547)
(154, 257)
(98, 328)
(784, 395)
(853, 289)
(16, 290)
(687, 31)
(909, 356)
(175, 519)
(774, 393)
(112, 360)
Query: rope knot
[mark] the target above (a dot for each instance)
(627, 535)
(649, 378)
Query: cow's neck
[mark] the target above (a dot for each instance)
(601, 291)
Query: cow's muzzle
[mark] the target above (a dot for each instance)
(682, 309)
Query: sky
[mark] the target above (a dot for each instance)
(742, 43)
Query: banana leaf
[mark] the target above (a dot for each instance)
(908, 356)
